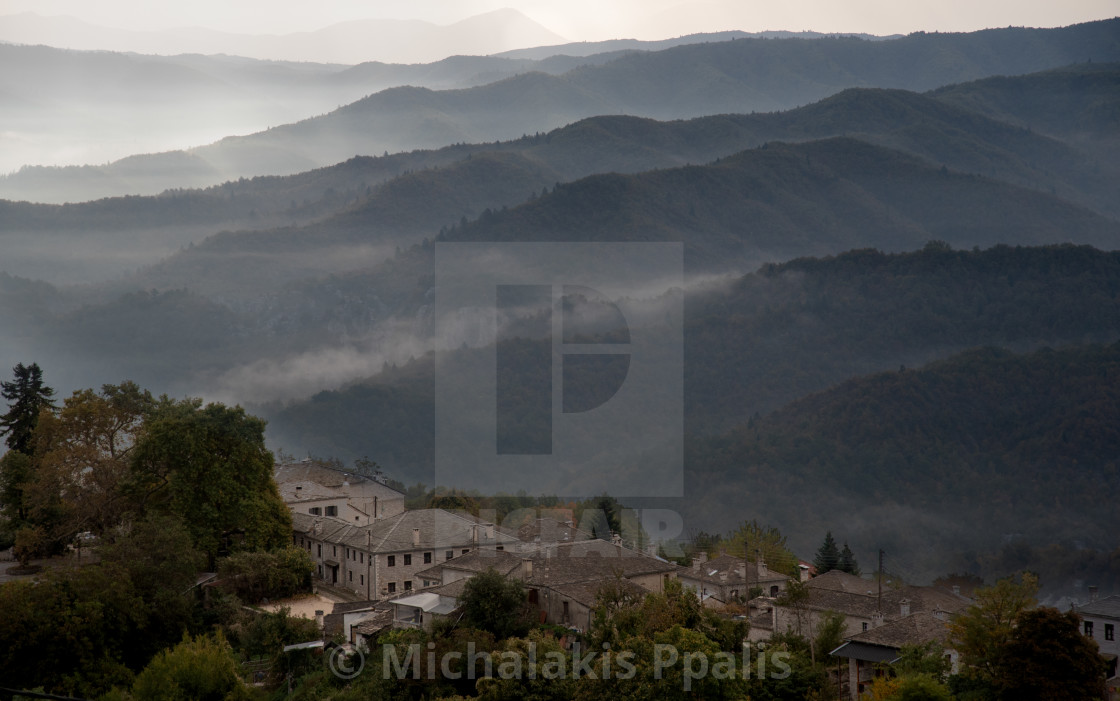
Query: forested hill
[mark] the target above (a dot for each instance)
(786, 200)
(282, 228)
(970, 453)
(742, 76)
(780, 334)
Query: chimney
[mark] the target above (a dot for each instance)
(741, 570)
(876, 619)
(904, 608)
(696, 564)
(416, 537)
(319, 618)
(1092, 593)
(489, 531)
(616, 539)
(723, 576)
(803, 573)
(703, 557)
(474, 533)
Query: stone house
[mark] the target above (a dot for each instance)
(857, 599)
(563, 579)
(321, 490)
(727, 579)
(383, 559)
(1100, 620)
(866, 652)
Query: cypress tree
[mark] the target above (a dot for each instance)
(848, 561)
(828, 555)
(27, 396)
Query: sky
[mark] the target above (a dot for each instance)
(585, 20)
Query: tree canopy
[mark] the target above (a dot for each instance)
(209, 466)
(492, 603)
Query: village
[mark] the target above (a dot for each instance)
(380, 566)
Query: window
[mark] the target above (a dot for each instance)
(865, 626)
(332, 511)
(407, 560)
(362, 558)
(449, 554)
(320, 549)
(362, 579)
(427, 558)
(408, 585)
(315, 511)
(466, 550)
(1109, 632)
(500, 547)
(392, 560)
(347, 553)
(1089, 628)
(351, 576)
(392, 587)
(334, 551)
(774, 590)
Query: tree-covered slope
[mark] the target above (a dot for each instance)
(969, 452)
(787, 331)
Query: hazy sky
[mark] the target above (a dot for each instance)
(587, 19)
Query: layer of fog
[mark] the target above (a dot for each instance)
(404, 337)
(90, 256)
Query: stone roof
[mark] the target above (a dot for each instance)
(836, 580)
(1108, 607)
(914, 629)
(714, 570)
(836, 588)
(551, 530)
(475, 562)
(587, 592)
(592, 559)
(310, 471)
(438, 529)
(374, 623)
(895, 602)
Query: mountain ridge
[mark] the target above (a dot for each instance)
(681, 82)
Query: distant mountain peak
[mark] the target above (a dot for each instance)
(350, 42)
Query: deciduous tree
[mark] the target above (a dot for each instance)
(984, 629)
(1047, 659)
(209, 466)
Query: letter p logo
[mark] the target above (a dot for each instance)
(559, 368)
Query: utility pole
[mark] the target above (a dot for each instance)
(369, 555)
(879, 603)
(747, 572)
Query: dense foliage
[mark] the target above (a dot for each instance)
(158, 489)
